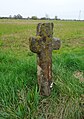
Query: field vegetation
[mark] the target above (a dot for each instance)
(19, 93)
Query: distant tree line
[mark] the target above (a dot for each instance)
(18, 16)
(14, 17)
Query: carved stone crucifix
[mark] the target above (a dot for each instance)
(43, 44)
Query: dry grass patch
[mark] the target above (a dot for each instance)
(79, 75)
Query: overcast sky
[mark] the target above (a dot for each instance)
(64, 9)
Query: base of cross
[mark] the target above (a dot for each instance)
(45, 88)
(43, 44)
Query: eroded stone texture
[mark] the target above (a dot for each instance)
(43, 44)
(56, 44)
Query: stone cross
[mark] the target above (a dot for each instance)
(43, 44)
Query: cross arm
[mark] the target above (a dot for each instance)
(56, 43)
(35, 44)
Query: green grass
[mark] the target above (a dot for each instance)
(19, 93)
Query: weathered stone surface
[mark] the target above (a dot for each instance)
(35, 44)
(43, 44)
(56, 43)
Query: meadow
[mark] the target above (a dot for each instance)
(19, 92)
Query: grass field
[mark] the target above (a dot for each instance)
(19, 93)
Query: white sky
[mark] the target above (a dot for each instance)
(64, 9)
